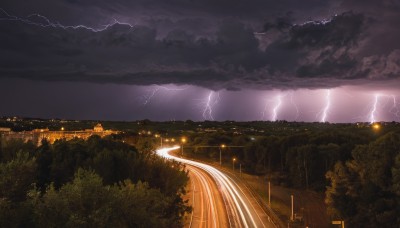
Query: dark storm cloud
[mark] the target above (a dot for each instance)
(200, 17)
(167, 9)
(122, 54)
(207, 43)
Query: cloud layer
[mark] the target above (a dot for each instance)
(213, 44)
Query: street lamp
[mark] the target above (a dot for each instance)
(233, 163)
(220, 153)
(159, 136)
(183, 140)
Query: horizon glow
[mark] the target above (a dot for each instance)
(173, 102)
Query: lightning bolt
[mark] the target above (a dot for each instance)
(147, 98)
(395, 109)
(381, 102)
(210, 102)
(373, 110)
(48, 23)
(265, 110)
(278, 103)
(327, 106)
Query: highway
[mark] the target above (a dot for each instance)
(220, 201)
(208, 204)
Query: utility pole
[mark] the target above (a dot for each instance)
(183, 140)
(292, 216)
(220, 157)
(269, 193)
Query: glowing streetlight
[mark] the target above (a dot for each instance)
(220, 153)
(62, 129)
(159, 136)
(183, 140)
(233, 163)
(376, 126)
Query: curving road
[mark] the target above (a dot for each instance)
(220, 201)
(208, 205)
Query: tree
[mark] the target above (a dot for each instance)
(86, 202)
(12, 147)
(342, 190)
(368, 185)
(44, 159)
(330, 153)
(17, 177)
(65, 194)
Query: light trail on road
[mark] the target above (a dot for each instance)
(211, 211)
(239, 209)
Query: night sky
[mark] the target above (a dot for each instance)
(309, 60)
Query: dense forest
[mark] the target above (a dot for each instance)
(357, 168)
(92, 183)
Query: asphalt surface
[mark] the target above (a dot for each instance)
(218, 201)
(207, 202)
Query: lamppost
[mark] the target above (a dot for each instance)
(233, 163)
(62, 130)
(159, 136)
(220, 154)
(183, 140)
